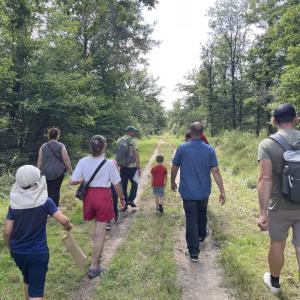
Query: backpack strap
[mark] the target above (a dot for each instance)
(96, 171)
(281, 141)
(54, 154)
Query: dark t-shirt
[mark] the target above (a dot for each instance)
(29, 230)
(159, 173)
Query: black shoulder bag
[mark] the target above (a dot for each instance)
(82, 190)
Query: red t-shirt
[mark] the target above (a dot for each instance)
(159, 173)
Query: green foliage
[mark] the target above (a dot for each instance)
(77, 65)
(250, 65)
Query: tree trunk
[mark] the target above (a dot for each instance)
(257, 129)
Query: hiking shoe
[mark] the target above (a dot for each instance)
(161, 209)
(94, 273)
(132, 204)
(157, 209)
(267, 280)
(207, 234)
(193, 258)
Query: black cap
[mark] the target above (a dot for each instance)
(284, 113)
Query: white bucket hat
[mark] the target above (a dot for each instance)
(29, 190)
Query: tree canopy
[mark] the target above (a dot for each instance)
(77, 65)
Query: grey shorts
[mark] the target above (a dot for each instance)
(159, 191)
(280, 222)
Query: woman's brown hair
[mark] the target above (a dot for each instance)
(53, 133)
(97, 145)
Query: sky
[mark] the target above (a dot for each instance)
(182, 26)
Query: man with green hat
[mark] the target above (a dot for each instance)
(128, 159)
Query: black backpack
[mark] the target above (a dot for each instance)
(291, 168)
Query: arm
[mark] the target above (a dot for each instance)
(7, 231)
(264, 187)
(40, 159)
(63, 220)
(174, 172)
(218, 179)
(119, 191)
(138, 161)
(66, 159)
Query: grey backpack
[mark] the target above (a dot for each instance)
(123, 156)
(291, 168)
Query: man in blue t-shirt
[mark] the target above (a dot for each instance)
(196, 161)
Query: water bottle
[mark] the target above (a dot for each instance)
(285, 181)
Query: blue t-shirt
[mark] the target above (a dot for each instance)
(195, 160)
(29, 230)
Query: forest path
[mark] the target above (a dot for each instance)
(115, 237)
(203, 280)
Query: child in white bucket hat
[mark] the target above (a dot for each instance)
(25, 228)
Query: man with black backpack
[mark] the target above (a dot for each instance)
(279, 190)
(128, 159)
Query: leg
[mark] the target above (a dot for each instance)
(134, 185)
(202, 218)
(124, 180)
(26, 291)
(37, 270)
(99, 237)
(156, 200)
(298, 259)
(115, 202)
(192, 237)
(276, 257)
(53, 187)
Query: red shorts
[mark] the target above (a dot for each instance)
(98, 204)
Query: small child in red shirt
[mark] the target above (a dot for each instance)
(159, 179)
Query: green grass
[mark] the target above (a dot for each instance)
(144, 266)
(63, 276)
(243, 248)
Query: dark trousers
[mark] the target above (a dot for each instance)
(115, 202)
(53, 187)
(196, 221)
(127, 174)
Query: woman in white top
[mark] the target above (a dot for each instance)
(98, 203)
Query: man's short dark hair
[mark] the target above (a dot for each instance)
(284, 113)
(197, 129)
(159, 158)
(53, 133)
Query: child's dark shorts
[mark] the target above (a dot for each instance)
(34, 268)
(159, 191)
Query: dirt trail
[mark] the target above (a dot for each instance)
(202, 280)
(114, 238)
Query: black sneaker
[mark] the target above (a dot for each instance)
(108, 226)
(193, 258)
(161, 209)
(132, 204)
(157, 209)
(207, 234)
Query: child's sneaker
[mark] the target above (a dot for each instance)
(157, 209)
(161, 209)
(267, 280)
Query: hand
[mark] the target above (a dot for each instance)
(123, 204)
(263, 222)
(222, 198)
(68, 227)
(174, 186)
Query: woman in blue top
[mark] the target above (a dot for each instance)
(25, 228)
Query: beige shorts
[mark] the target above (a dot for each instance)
(280, 222)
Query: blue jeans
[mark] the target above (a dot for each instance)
(196, 221)
(34, 268)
